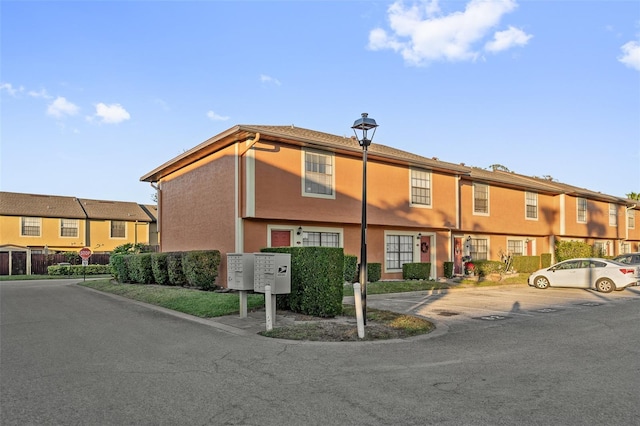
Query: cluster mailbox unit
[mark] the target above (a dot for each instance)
(256, 271)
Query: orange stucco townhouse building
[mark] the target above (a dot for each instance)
(256, 186)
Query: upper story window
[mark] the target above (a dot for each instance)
(531, 201)
(321, 239)
(399, 250)
(631, 219)
(30, 226)
(613, 214)
(118, 229)
(420, 188)
(69, 227)
(480, 198)
(478, 249)
(582, 209)
(318, 180)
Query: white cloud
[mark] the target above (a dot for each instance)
(215, 117)
(61, 107)
(421, 34)
(111, 114)
(8, 87)
(41, 94)
(268, 79)
(503, 40)
(631, 55)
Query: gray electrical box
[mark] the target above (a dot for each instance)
(272, 269)
(240, 267)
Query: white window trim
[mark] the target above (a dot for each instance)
(303, 175)
(416, 248)
(615, 216)
(473, 198)
(586, 210)
(296, 240)
(125, 230)
(77, 227)
(39, 219)
(411, 203)
(525, 206)
(631, 214)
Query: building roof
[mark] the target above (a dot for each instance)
(55, 206)
(306, 137)
(35, 205)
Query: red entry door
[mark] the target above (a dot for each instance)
(425, 249)
(280, 238)
(457, 256)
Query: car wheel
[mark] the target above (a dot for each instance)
(541, 282)
(605, 285)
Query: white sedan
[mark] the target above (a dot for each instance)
(600, 274)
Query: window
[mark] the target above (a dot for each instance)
(30, 227)
(514, 247)
(613, 214)
(399, 250)
(318, 174)
(321, 239)
(600, 249)
(631, 219)
(68, 227)
(582, 209)
(478, 249)
(480, 198)
(420, 188)
(531, 200)
(118, 229)
(624, 248)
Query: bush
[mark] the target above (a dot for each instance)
(416, 271)
(571, 250)
(201, 268)
(118, 265)
(374, 272)
(140, 269)
(174, 269)
(545, 260)
(350, 268)
(448, 269)
(317, 280)
(159, 267)
(526, 264)
(486, 267)
(78, 270)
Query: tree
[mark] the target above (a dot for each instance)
(500, 167)
(633, 196)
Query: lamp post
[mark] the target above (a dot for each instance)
(364, 124)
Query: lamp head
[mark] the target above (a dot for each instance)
(364, 124)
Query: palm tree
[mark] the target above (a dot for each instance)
(633, 196)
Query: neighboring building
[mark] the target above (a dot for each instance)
(47, 224)
(256, 186)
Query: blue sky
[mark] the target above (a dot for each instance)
(96, 94)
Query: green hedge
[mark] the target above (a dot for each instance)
(201, 268)
(545, 260)
(374, 272)
(486, 267)
(416, 271)
(571, 250)
(159, 267)
(317, 280)
(119, 266)
(174, 269)
(350, 268)
(448, 269)
(526, 264)
(140, 269)
(78, 270)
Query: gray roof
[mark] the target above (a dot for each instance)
(55, 206)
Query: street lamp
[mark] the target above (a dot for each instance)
(364, 124)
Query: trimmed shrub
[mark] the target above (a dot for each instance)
(159, 267)
(78, 270)
(201, 268)
(174, 269)
(545, 260)
(416, 271)
(486, 267)
(119, 267)
(317, 280)
(448, 269)
(350, 268)
(374, 272)
(525, 264)
(140, 269)
(571, 250)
